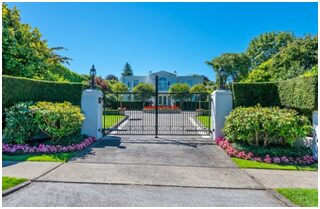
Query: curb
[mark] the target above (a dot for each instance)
(15, 188)
(282, 198)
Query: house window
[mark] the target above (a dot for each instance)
(135, 82)
(189, 82)
(129, 85)
(163, 84)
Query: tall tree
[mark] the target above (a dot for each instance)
(200, 90)
(112, 77)
(180, 91)
(119, 88)
(143, 91)
(24, 52)
(298, 57)
(236, 65)
(264, 46)
(127, 71)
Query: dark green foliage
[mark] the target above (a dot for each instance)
(250, 94)
(236, 65)
(67, 140)
(136, 105)
(273, 150)
(20, 125)
(26, 54)
(298, 93)
(264, 46)
(192, 106)
(15, 89)
(111, 77)
(127, 71)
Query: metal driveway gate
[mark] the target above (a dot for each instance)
(158, 113)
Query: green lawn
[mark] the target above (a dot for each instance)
(254, 164)
(56, 157)
(8, 182)
(205, 121)
(111, 120)
(301, 197)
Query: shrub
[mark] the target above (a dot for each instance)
(20, 125)
(300, 94)
(58, 119)
(15, 89)
(254, 125)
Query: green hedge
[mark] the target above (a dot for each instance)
(133, 105)
(298, 93)
(250, 94)
(16, 89)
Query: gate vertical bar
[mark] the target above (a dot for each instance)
(157, 105)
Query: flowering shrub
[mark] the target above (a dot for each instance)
(42, 148)
(265, 125)
(232, 152)
(57, 119)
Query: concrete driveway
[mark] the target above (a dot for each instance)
(142, 171)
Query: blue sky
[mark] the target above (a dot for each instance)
(160, 36)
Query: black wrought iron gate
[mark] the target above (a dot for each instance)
(157, 113)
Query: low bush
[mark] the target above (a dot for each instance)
(256, 125)
(20, 124)
(57, 119)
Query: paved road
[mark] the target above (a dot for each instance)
(141, 171)
(184, 123)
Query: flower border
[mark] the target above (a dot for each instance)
(283, 160)
(42, 148)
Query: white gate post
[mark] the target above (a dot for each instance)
(91, 106)
(314, 144)
(221, 107)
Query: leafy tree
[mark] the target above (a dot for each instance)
(127, 71)
(264, 46)
(143, 91)
(24, 52)
(112, 77)
(119, 88)
(201, 91)
(261, 74)
(103, 85)
(179, 91)
(236, 66)
(298, 57)
(312, 72)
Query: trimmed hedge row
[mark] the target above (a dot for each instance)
(250, 94)
(298, 93)
(17, 89)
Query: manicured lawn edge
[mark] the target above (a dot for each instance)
(56, 157)
(9, 182)
(249, 164)
(299, 196)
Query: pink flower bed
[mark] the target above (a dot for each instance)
(42, 148)
(232, 152)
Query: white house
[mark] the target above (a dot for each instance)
(166, 79)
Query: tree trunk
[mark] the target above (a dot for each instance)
(266, 140)
(257, 138)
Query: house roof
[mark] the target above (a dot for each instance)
(162, 72)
